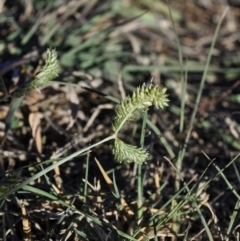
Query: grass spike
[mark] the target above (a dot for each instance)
(47, 73)
(144, 97)
(129, 153)
(141, 99)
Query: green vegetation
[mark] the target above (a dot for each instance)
(86, 154)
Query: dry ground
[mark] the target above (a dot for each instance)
(104, 45)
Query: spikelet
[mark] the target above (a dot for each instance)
(47, 73)
(128, 153)
(143, 98)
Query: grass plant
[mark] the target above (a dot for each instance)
(111, 181)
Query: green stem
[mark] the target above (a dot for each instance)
(140, 179)
(86, 180)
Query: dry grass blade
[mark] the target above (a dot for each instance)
(26, 224)
(126, 207)
(35, 124)
(74, 104)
